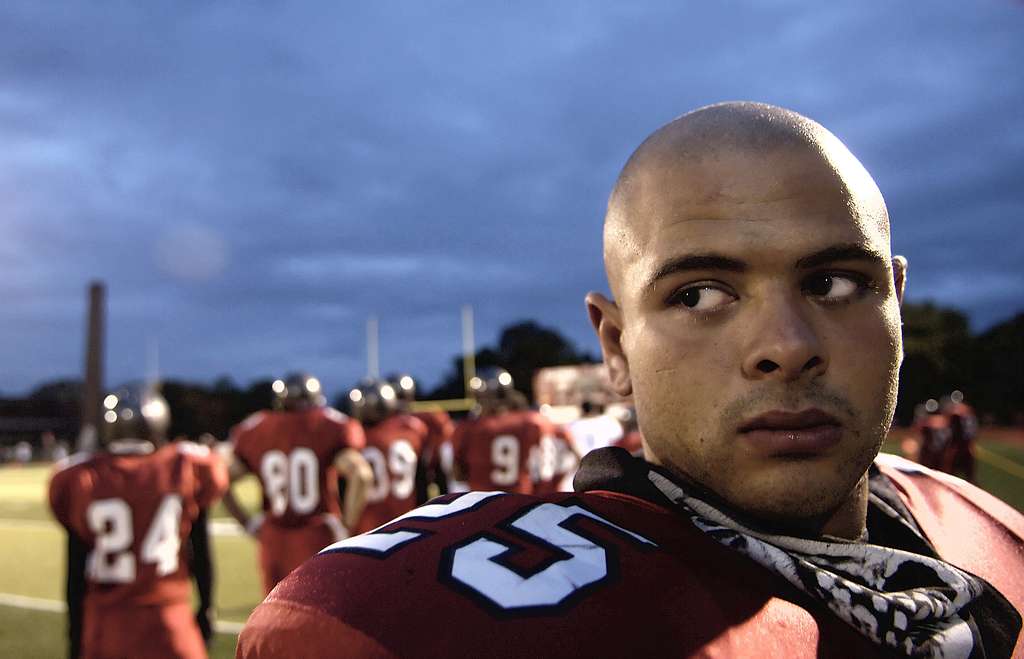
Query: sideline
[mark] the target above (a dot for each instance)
(1009, 466)
(218, 527)
(56, 606)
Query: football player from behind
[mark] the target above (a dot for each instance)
(963, 427)
(296, 452)
(131, 510)
(440, 427)
(935, 435)
(492, 448)
(395, 441)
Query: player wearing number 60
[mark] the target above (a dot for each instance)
(134, 512)
(297, 453)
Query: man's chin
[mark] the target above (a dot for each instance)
(797, 498)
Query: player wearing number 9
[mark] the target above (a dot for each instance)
(134, 511)
(395, 442)
(492, 448)
(297, 452)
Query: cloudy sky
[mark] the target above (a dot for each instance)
(252, 180)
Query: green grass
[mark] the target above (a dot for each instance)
(32, 555)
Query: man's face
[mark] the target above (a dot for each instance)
(760, 327)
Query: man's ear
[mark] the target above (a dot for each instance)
(606, 317)
(899, 275)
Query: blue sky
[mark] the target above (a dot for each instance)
(252, 181)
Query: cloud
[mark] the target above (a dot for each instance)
(252, 183)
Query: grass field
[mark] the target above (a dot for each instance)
(32, 553)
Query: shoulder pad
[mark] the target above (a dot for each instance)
(192, 448)
(250, 422)
(335, 415)
(901, 464)
(71, 461)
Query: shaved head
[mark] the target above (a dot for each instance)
(680, 154)
(748, 255)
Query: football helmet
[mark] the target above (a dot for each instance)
(298, 390)
(493, 383)
(404, 386)
(372, 401)
(135, 413)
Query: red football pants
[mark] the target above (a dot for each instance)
(145, 632)
(282, 549)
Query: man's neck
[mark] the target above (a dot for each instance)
(850, 520)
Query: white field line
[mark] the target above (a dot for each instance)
(56, 606)
(218, 527)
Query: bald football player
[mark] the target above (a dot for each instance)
(755, 321)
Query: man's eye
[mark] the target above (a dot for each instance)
(833, 287)
(702, 298)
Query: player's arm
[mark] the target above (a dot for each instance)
(358, 475)
(202, 570)
(61, 493)
(250, 522)
(75, 592)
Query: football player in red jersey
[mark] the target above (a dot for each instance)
(492, 448)
(963, 428)
(135, 512)
(935, 436)
(297, 452)
(439, 424)
(756, 325)
(395, 442)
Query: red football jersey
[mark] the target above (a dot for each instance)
(393, 449)
(553, 463)
(494, 451)
(292, 453)
(594, 574)
(935, 436)
(133, 506)
(439, 428)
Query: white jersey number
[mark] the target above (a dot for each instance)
(395, 474)
(505, 459)
(475, 565)
(112, 560)
(291, 481)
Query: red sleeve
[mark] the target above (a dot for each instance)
(459, 444)
(240, 437)
(354, 435)
(61, 484)
(287, 629)
(210, 471)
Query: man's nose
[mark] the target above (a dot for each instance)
(784, 344)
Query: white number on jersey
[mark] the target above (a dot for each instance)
(395, 475)
(505, 460)
(111, 560)
(543, 460)
(291, 479)
(473, 565)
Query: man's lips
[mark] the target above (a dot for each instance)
(792, 433)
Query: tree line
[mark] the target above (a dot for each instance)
(941, 354)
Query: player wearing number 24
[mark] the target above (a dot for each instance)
(135, 511)
(296, 453)
(755, 321)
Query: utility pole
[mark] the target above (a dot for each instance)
(94, 344)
